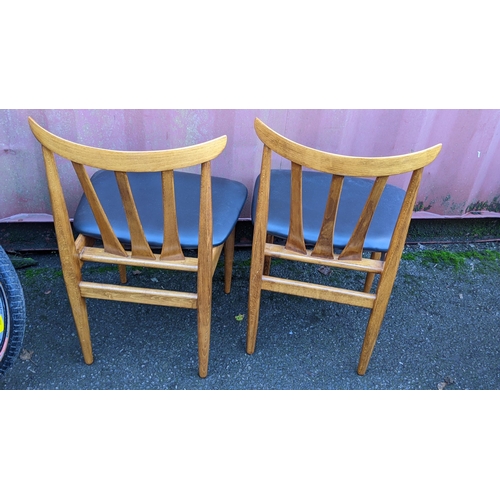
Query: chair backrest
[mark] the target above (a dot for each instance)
(123, 162)
(379, 168)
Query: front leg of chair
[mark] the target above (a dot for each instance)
(370, 276)
(228, 261)
(204, 315)
(267, 259)
(123, 273)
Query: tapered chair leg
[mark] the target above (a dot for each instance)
(254, 294)
(123, 273)
(203, 344)
(72, 277)
(267, 260)
(80, 315)
(370, 276)
(204, 292)
(371, 334)
(204, 321)
(228, 261)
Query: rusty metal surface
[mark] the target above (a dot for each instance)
(463, 182)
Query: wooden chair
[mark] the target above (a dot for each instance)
(145, 214)
(331, 215)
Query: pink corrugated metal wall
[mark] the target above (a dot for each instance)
(464, 181)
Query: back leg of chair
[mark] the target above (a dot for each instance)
(72, 278)
(204, 293)
(204, 319)
(371, 335)
(370, 276)
(376, 317)
(72, 273)
(254, 293)
(80, 315)
(228, 261)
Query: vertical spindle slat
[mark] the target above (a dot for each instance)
(324, 244)
(140, 246)
(295, 240)
(109, 239)
(171, 249)
(354, 248)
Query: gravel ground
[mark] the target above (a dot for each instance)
(441, 331)
(440, 334)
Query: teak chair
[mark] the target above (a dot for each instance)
(331, 215)
(136, 201)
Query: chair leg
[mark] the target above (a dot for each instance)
(72, 273)
(267, 259)
(228, 261)
(80, 315)
(384, 290)
(254, 294)
(204, 293)
(123, 273)
(203, 339)
(374, 323)
(370, 276)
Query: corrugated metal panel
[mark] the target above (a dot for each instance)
(463, 181)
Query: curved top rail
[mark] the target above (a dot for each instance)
(344, 165)
(129, 161)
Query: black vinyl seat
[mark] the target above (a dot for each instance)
(315, 189)
(228, 198)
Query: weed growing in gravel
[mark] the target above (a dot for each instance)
(481, 260)
(33, 273)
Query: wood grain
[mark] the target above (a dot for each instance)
(351, 257)
(74, 253)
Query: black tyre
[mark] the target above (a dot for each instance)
(12, 313)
